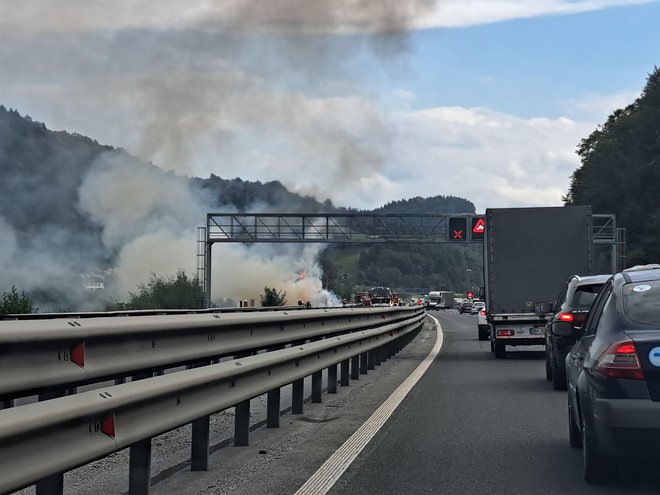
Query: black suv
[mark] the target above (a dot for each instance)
(561, 332)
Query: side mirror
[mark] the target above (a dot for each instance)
(547, 307)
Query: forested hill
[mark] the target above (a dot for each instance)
(435, 204)
(620, 172)
(70, 208)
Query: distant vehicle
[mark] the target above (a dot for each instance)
(440, 299)
(466, 306)
(483, 327)
(476, 307)
(613, 375)
(528, 253)
(362, 298)
(381, 296)
(570, 312)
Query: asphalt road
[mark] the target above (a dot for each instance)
(477, 425)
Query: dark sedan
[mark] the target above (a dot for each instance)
(570, 312)
(613, 374)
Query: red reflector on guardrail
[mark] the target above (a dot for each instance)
(78, 354)
(108, 425)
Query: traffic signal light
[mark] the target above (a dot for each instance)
(478, 228)
(458, 229)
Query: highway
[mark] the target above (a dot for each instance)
(477, 425)
(471, 425)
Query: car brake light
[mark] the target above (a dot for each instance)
(620, 360)
(505, 333)
(482, 312)
(566, 316)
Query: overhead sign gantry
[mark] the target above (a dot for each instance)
(346, 228)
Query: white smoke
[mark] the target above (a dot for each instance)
(149, 218)
(241, 273)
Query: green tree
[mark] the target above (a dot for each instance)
(620, 172)
(271, 297)
(14, 303)
(178, 292)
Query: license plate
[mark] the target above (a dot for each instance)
(536, 330)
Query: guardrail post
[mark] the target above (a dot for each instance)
(332, 379)
(242, 424)
(199, 441)
(139, 464)
(199, 447)
(6, 404)
(371, 360)
(273, 408)
(355, 367)
(273, 401)
(317, 387)
(363, 363)
(344, 373)
(139, 470)
(53, 485)
(50, 486)
(297, 396)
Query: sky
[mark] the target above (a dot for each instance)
(358, 101)
(361, 102)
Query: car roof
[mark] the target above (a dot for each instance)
(641, 273)
(591, 279)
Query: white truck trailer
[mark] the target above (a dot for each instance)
(440, 299)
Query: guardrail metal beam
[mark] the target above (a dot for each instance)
(60, 434)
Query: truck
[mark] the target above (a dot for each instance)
(381, 296)
(528, 254)
(440, 299)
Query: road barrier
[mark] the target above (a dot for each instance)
(41, 441)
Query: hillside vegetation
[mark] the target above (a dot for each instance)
(620, 172)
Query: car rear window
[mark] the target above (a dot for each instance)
(641, 302)
(584, 295)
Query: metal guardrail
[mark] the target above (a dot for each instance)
(40, 441)
(39, 356)
(152, 312)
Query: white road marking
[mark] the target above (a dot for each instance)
(327, 475)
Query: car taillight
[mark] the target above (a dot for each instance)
(620, 360)
(565, 316)
(482, 312)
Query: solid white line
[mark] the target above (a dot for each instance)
(327, 475)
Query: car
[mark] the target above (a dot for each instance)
(570, 312)
(476, 307)
(613, 375)
(466, 306)
(483, 327)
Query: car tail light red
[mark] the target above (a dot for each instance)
(576, 319)
(565, 316)
(482, 312)
(620, 360)
(505, 333)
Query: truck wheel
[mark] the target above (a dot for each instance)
(492, 346)
(500, 350)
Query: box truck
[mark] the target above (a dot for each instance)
(528, 254)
